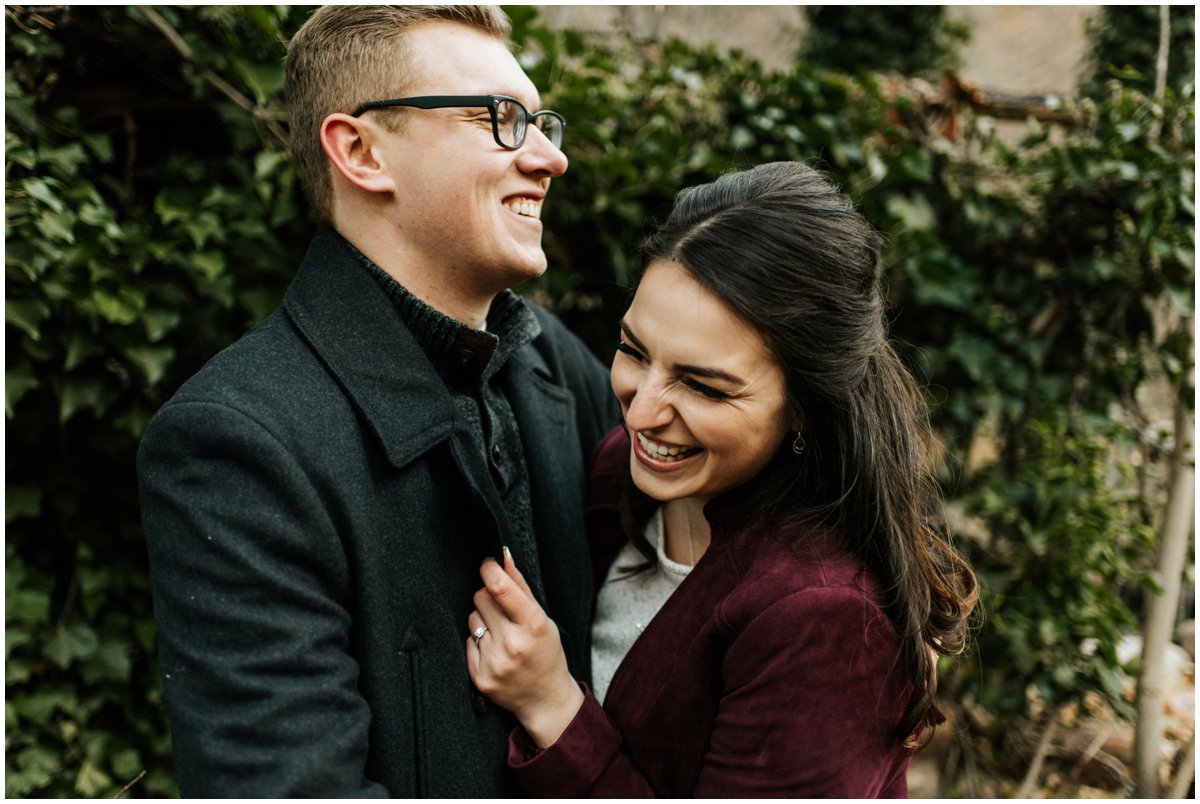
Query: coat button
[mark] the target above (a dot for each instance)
(497, 454)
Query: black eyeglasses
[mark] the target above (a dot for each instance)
(510, 119)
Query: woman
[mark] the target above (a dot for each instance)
(775, 441)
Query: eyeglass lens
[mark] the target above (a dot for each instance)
(511, 120)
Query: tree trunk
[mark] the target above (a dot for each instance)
(1160, 65)
(1184, 771)
(1161, 610)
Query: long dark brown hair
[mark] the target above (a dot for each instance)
(786, 251)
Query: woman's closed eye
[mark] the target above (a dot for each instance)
(706, 390)
(625, 348)
(693, 384)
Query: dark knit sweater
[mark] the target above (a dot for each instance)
(470, 360)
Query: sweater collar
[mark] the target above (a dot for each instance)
(465, 357)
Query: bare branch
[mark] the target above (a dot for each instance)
(267, 116)
(132, 782)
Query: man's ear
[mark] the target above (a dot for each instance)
(352, 145)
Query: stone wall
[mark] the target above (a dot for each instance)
(1014, 50)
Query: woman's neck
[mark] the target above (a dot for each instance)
(686, 530)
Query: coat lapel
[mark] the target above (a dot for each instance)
(352, 325)
(545, 414)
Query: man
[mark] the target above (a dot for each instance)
(318, 499)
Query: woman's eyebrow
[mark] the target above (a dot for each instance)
(636, 340)
(699, 371)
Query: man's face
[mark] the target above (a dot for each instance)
(466, 207)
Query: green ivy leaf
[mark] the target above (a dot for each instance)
(26, 315)
(65, 159)
(74, 641)
(80, 347)
(267, 162)
(45, 190)
(21, 501)
(26, 606)
(16, 671)
(14, 637)
(123, 307)
(914, 213)
(18, 381)
(81, 394)
(201, 228)
(36, 766)
(112, 661)
(127, 764)
(40, 705)
(263, 79)
(57, 226)
(91, 780)
(159, 323)
(211, 264)
(152, 361)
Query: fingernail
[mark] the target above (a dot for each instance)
(507, 554)
(486, 559)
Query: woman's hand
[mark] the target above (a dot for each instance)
(518, 662)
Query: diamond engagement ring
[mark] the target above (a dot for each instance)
(478, 633)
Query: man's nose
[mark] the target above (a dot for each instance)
(538, 155)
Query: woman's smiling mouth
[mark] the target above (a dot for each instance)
(663, 453)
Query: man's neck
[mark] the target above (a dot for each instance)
(444, 291)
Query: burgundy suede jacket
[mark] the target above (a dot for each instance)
(770, 672)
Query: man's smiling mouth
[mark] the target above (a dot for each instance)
(527, 207)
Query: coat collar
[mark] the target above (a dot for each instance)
(342, 312)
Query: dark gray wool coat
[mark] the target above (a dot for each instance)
(315, 521)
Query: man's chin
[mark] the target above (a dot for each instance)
(533, 266)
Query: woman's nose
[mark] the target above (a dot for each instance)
(648, 408)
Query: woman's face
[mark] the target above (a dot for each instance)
(702, 397)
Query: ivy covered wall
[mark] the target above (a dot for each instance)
(153, 216)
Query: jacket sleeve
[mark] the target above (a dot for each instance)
(587, 761)
(254, 639)
(812, 698)
(807, 710)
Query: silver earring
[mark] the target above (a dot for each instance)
(798, 444)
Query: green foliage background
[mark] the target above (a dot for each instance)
(152, 218)
(1124, 42)
(908, 39)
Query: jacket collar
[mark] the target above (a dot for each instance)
(349, 321)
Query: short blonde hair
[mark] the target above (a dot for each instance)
(344, 56)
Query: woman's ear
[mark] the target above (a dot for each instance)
(353, 146)
(796, 422)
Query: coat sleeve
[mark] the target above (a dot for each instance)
(250, 580)
(596, 409)
(808, 708)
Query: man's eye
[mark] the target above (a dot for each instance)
(506, 113)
